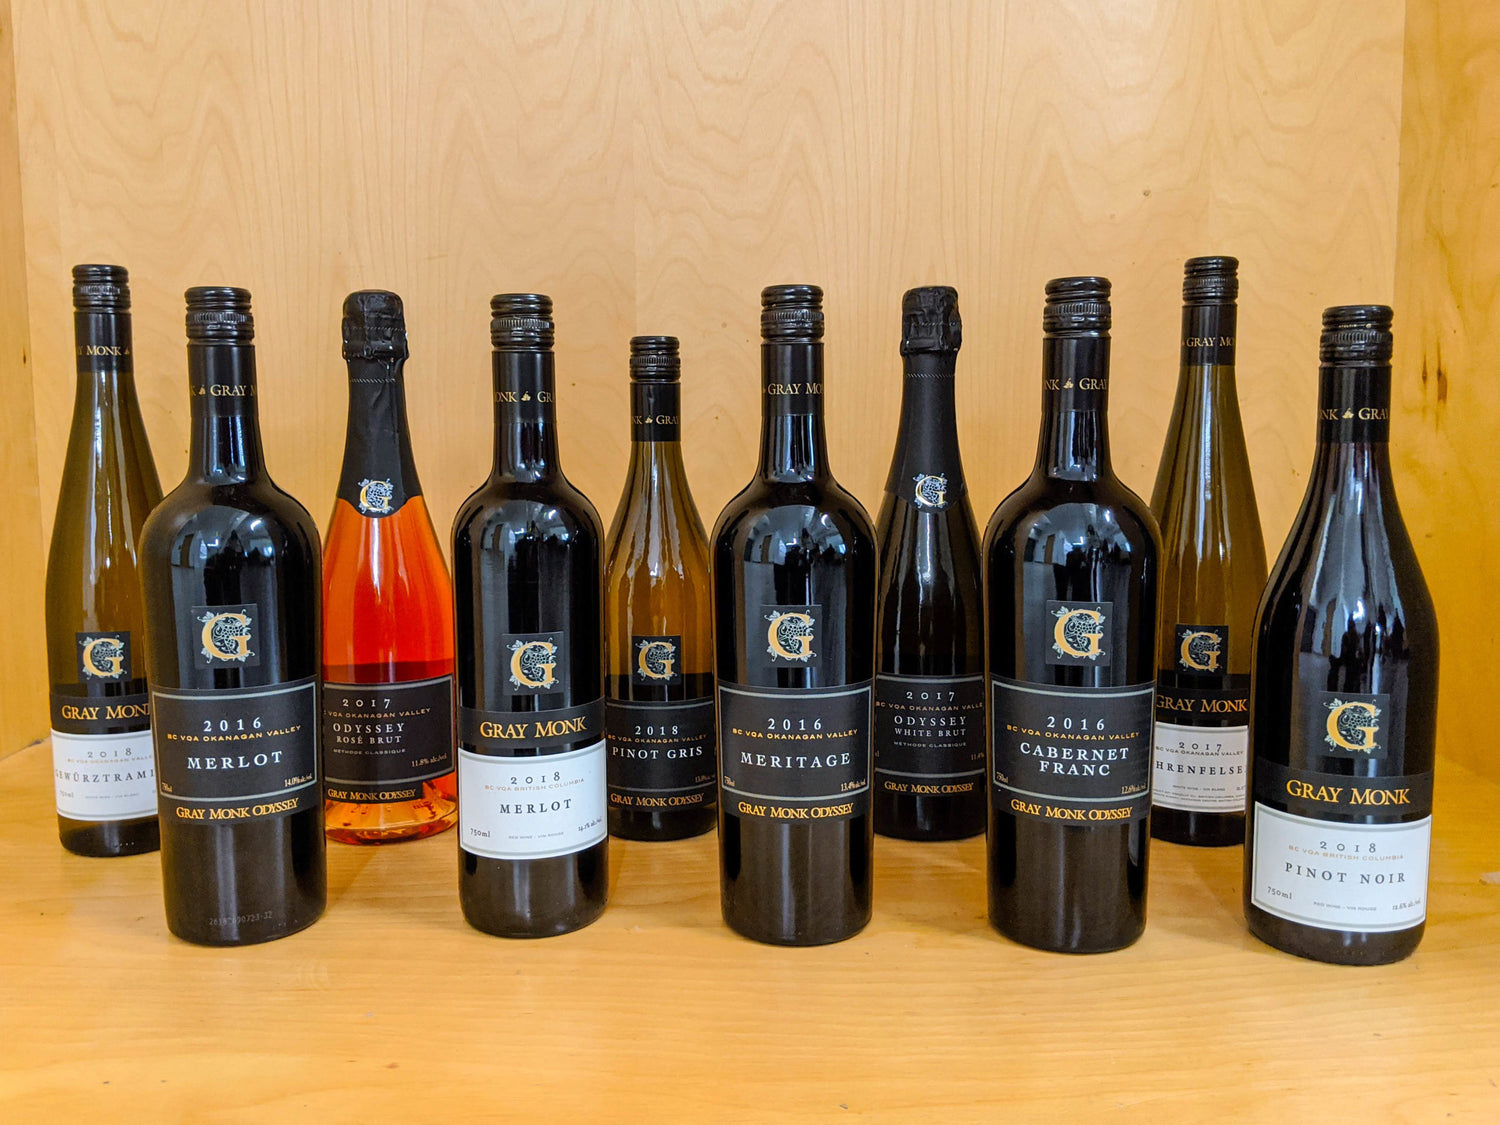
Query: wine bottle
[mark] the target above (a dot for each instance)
(1071, 563)
(528, 590)
(794, 621)
(659, 709)
(1343, 711)
(1213, 570)
(229, 568)
(929, 677)
(387, 734)
(103, 772)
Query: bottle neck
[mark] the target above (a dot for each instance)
(105, 360)
(379, 473)
(1074, 441)
(793, 446)
(655, 425)
(926, 469)
(1354, 424)
(525, 415)
(225, 444)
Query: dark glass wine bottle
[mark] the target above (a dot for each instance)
(1343, 712)
(103, 771)
(794, 621)
(1213, 571)
(387, 610)
(1071, 587)
(929, 740)
(229, 567)
(659, 714)
(528, 590)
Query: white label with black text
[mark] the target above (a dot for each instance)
(1200, 769)
(1365, 878)
(531, 807)
(104, 776)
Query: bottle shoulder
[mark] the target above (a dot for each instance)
(534, 510)
(247, 511)
(795, 512)
(1073, 513)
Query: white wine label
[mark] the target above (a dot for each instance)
(1071, 754)
(531, 807)
(104, 776)
(1200, 769)
(382, 741)
(1361, 878)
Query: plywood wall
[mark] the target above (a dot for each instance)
(1448, 344)
(652, 165)
(23, 715)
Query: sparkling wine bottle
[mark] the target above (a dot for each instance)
(387, 610)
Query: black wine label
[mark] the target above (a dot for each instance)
(382, 741)
(661, 755)
(1354, 404)
(103, 657)
(99, 714)
(1078, 633)
(1342, 797)
(792, 635)
(512, 733)
(533, 660)
(655, 411)
(1071, 754)
(526, 395)
(228, 636)
(1224, 706)
(655, 660)
(243, 754)
(379, 474)
(801, 396)
(929, 734)
(1208, 333)
(795, 753)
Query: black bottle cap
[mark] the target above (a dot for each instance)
(791, 314)
(1359, 335)
(654, 359)
(374, 325)
(98, 288)
(521, 320)
(930, 320)
(219, 314)
(1210, 281)
(1076, 306)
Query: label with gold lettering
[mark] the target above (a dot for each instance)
(1071, 754)
(381, 742)
(655, 411)
(795, 753)
(1202, 737)
(661, 754)
(1354, 404)
(243, 754)
(929, 733)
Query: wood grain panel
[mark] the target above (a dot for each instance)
(1447, 400)
(652, 165)
(392, 1009)
(23, 687)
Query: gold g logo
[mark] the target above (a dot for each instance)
(1200, 651)
(930, 491)
(226, 636)
(1078, 633)
(1352, 725)
(532, 664)
(103, 658)
(790, 636)
(655, 659)
(375, 497)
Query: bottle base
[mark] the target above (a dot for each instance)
(661, 827)
(1195, 829)
(1333, 947)
(346, 822)
(805, 941)
(928, 836)
(210, 941)
(109, 839)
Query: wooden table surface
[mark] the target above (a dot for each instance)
(392, 1009)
